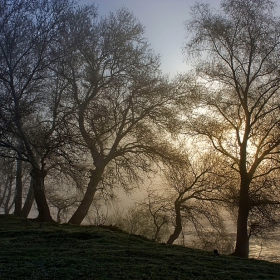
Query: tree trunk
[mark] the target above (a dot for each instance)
(7, 194)
(178, 224)
(242, 238)
(156, 235)
(18, 193)
(86, 202)
(40, 197)
(28, 201)
(58, 219)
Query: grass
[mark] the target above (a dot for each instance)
(31, 250)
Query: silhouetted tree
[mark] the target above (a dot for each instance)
(30, 110)
(237, 56)
(195, 193)
(148, 218)
(154, 208)
(122, 102)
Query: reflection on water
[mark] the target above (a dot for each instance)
(262, 248)
(266, 249)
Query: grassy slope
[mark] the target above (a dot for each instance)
(30, 250)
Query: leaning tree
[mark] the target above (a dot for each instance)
(194, 193)
(123, 104)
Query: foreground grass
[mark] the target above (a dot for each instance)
(30, 250)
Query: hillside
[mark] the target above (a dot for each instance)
(31, 250)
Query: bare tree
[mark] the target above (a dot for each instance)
(158, 213)
(146, 218)
(237, 58)
(122, 102)
(30, 108)
(195, 193)
(154, 207)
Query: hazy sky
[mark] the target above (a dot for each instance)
(164, 23)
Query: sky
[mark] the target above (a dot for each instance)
(164, 26)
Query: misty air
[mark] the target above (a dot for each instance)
(139, 141)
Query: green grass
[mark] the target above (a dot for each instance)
(30, 250)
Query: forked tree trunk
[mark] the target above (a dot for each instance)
(242, 237)
(18, 192)
(178, 224)
(28, 201)
(87, 200)
(40, 197)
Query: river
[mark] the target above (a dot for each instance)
(266, 248)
